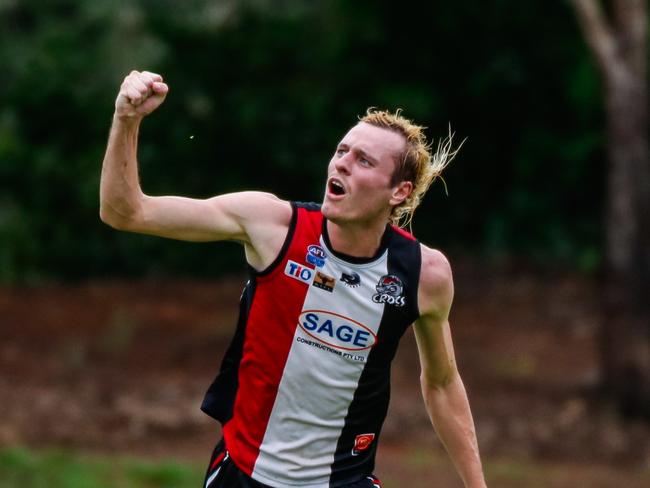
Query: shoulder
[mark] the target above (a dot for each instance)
(436, 290)
(258, 206)
(257, 198)
(265, 220)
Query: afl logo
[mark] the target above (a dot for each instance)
(316, 255)
(389, 290)
(336, 330)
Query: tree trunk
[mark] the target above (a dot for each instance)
(620, 48)
(625, 338)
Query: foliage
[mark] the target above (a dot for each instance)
(260, 93)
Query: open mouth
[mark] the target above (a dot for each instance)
(335, 187)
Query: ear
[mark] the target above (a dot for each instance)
(401, 192)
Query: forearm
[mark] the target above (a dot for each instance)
(120, 192)
(449, 410)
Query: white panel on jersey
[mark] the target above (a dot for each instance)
(336, 331)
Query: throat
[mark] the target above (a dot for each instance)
(363, 242)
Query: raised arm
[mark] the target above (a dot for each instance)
(258, 220)
(442, 388)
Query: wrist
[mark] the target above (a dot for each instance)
(127, 120)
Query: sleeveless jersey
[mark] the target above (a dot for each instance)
(304, 387)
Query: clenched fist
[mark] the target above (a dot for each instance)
(140, 94)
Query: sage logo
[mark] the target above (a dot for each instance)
(336, 330)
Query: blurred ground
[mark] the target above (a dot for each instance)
(122, 367)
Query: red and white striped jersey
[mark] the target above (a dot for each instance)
(304, 388)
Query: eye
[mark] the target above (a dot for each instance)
(364, 162)
(340, 152)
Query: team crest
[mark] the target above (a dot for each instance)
(389, 290)
(316, 255)
(352, 279)
(324, 282)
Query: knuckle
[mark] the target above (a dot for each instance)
(152, 77)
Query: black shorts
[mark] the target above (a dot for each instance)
(223, 473)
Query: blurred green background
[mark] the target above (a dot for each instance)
(261, 91)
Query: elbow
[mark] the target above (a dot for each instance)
(436, 381)
(114, 219)
(438, 389)
(121, 212)
(110, 219)
(106, 217)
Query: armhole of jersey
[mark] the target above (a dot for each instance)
(408, 250)
(417, 280)
(285, 246)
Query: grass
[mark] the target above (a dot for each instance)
(64, 469)
(507, 473)
(415, 468)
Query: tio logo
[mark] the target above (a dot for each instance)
(298, 272)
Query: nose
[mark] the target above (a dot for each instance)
(342, 164)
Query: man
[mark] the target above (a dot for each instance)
(303, 389)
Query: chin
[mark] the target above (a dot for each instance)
(327, 210)
(331, 213)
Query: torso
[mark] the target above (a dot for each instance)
(304, 388)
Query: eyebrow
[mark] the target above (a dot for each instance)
(360, 152)
(367, 156)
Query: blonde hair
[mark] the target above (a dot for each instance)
(416, 164)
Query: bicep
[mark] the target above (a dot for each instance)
(432, 330)
(436, 350)
(225, 217)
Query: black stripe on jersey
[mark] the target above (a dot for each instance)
(311, 206)
(219, 400)
(369, 406)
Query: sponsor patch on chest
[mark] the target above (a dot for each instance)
(324, 282)
(299, 272)
(336, 330)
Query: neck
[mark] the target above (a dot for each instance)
(358, 240)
